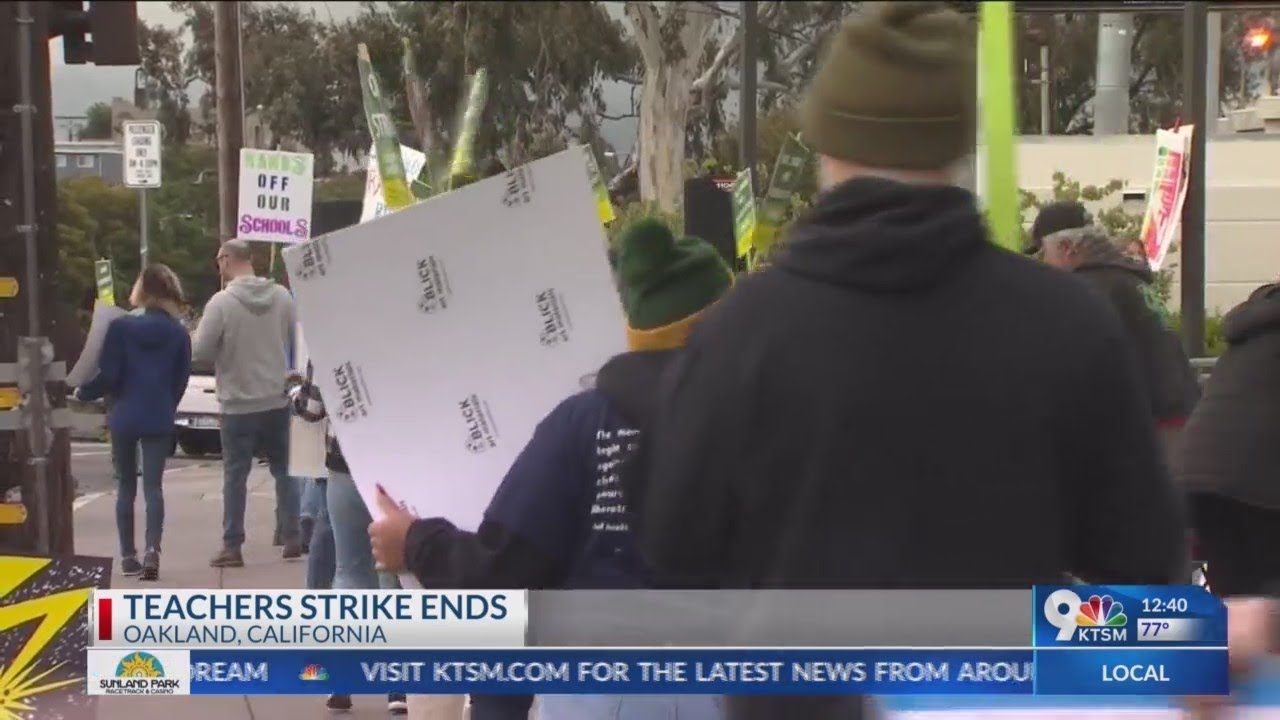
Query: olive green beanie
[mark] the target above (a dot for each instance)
(665, 282)
(895, 89)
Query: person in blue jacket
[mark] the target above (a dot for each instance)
(561, 518)
(144, 367)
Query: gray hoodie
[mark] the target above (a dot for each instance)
(245, 334)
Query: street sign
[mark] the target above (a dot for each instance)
(142, 154)
(8, 287)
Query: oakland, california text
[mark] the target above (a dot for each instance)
(321, 607)
(699, 672)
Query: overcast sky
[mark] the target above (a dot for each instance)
(76, 87)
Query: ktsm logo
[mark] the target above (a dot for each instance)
(1101, 619)
(555, 318)
(139, 673)
(433, 285)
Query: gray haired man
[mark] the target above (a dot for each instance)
(245, 334)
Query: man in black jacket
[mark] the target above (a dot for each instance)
(897, 402)
(1171, 384)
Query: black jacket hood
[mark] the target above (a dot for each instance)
(1255, 316)
(885, 236)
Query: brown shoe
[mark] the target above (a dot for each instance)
(226, 558)
(292, 550)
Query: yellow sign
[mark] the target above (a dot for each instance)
(8, 287)
(9, 398)
(13, 513)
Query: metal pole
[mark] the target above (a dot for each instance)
(1213, 73)
(747, 99)
(1194, 70)
(1045, 129)
(143, 230)
(38, 442)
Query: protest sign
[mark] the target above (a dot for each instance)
(395, 185)
(1168, 192)
(374, 204)
(275, 196)
(44, 631)
(86, 367)
(442, 334)
(604, 206)
(105, 279)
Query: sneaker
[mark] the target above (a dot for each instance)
(130, 566)
(397, 704)
(151, 565)
(292, 550)
(338, 702)
(227, 557)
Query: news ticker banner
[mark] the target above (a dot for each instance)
(1046, 617)
(710, 671)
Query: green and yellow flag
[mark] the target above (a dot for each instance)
(603, 205)
(386, 141)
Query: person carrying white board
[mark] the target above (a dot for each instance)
(560, 519)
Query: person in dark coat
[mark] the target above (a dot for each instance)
(1171, 384)
(561, 518)
(1056, 217)
(897, 402)
(145, 364)
(1230, 459)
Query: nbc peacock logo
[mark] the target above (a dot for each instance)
(1100, 619)
(315, 673)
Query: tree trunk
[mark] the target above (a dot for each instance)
(664, 109)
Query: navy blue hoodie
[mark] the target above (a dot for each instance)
(145, 363)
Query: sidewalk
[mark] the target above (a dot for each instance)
(193, 531)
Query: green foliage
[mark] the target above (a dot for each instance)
(97, 124)
(1215, 340)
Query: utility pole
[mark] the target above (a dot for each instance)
(35, 480)
(226, 39)
(1194, 71)
(747, 99)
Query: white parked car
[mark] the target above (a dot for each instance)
(198, 423)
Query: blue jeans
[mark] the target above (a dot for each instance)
(629, 707)
(124, 459)
(241, 436)
(320, 561)
(312, 498)
(353, 567)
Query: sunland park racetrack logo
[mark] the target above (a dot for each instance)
(482, 432)
(434, 292)
(139, 673)
(556, 323)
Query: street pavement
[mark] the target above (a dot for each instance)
(193, 531)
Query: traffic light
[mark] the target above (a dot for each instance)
(113, 27)
(1259, 38)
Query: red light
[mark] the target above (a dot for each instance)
(1258, 39)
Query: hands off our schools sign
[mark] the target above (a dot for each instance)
(275, 196)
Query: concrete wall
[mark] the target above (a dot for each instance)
(1242, 236)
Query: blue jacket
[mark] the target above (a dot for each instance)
(145, 363)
